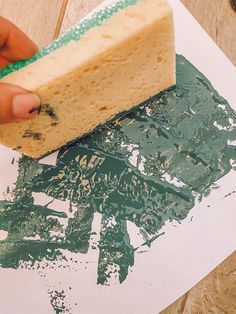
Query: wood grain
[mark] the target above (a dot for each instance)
(37, 18)
(205, 12)
(215, 294)
(226, 30)
(219, 19)
(75, 11)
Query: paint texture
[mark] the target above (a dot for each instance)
(146, 168)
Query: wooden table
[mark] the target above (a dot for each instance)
(45, 20)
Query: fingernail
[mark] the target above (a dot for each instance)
(25, 106)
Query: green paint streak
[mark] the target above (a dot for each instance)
(183, 133)
(74, 33)
(30, 134)
(58, 302)
(115, 250)
(50, 112)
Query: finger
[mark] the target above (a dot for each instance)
(4, 62)
(17, 104)
(14, 44)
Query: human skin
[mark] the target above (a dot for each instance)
(16, 104)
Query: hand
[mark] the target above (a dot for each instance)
(15, 103)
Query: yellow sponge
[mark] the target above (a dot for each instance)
(113, 67)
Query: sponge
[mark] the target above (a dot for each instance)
(109, 64)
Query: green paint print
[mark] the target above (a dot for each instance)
(57, 302)
(147, 168)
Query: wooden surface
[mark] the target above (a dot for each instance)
(44, 20)
(215, 294)
(38, 18)
(219, 20)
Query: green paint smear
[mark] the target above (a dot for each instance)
(183, 133)
(57, 300)
(74, 33)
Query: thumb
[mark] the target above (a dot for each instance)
(17, 104)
